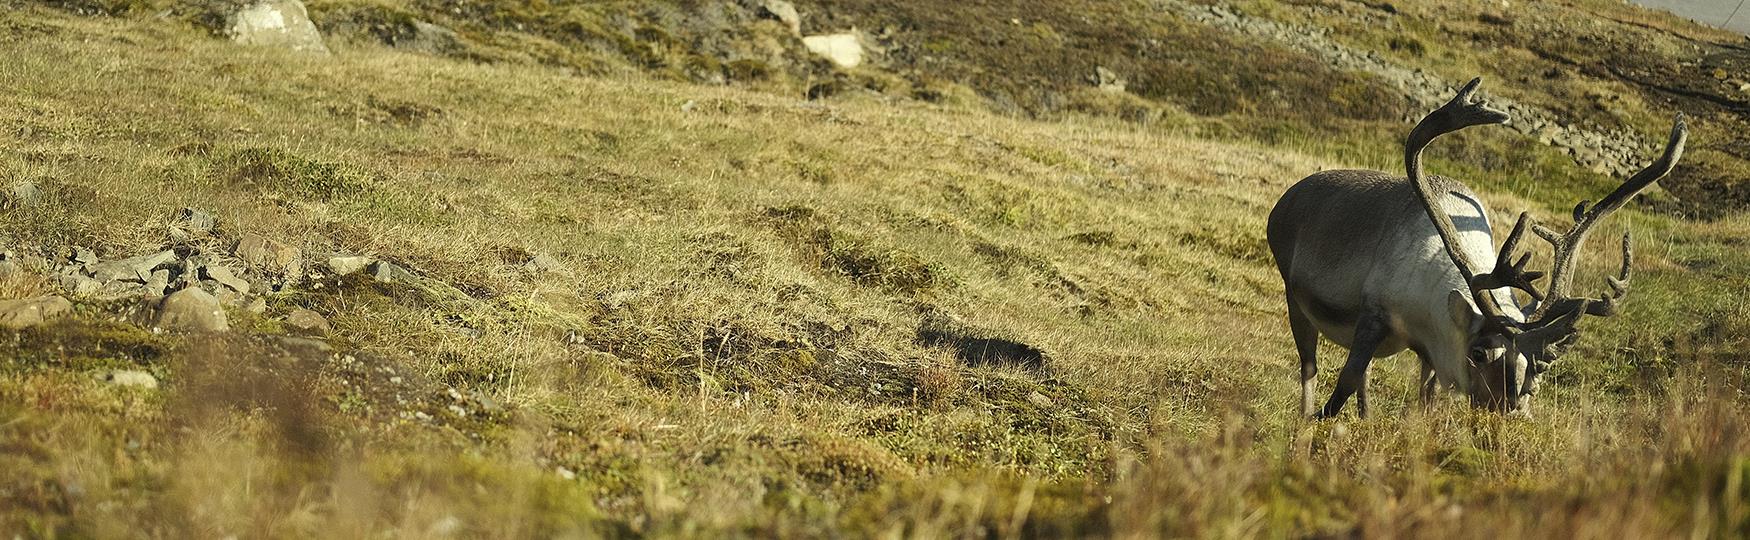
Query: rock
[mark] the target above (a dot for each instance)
(21, 194)
(257, 306)
(79, 285)
(844, 50)
(28, 312)
(431, 39)
(191, 310)
(275, 23)
(1107, 80)
(306, 347)
(156, 283)
(227, 277)
(265, 253)
(342, 266)
(487, 404)
(226, 295)
(308, 321)
(388, 272)
(120, 289)
(80, 255)
(784, 12)
(543, 262)
(190, 224)
(137, 269)
(131, 378)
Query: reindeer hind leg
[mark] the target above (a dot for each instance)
(1306, 343)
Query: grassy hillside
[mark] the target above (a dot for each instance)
(648, 306)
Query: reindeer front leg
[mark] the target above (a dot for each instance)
(1370, 331)
(1427, 383)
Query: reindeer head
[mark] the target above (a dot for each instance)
(1509, 352)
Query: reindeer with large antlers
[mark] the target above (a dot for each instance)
(1379, 264)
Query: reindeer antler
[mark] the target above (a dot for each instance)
(1552, 326)
(1464, 110)
(1512, 274)
(1567, 246)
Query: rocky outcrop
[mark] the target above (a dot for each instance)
(1616, 152)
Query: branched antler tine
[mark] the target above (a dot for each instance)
(1510, 273)
(1469, 110)
(1606, 306)
(1547, 234)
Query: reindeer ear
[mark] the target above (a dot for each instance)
(1462, 313)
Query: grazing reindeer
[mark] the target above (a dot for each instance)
(1378, 264)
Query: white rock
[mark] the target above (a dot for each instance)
(348, 265)
(845, 50)
(132, 378)
(276, 23)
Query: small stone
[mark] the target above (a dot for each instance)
(21, 194)
(192, 310)
(136, 269)
(80, 255)
(566, 473)
(131, 378)
(227, 277)
(306, 347)
(308, 321)
(487, 404)
(388, 272)
(784, 12)
(80, 285)
(542, 263)
(431, 39)
(1107, 80)
(269, 254)
(120, 289)
(191, 223)
(257, 306)
(28, 312)
(346, 265)
(157, 283)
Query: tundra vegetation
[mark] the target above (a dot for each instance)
(924, 303)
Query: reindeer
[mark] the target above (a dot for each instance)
(1379, 263)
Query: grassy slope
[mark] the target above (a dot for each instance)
(729, 344)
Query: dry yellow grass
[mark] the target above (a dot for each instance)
(728, 346)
